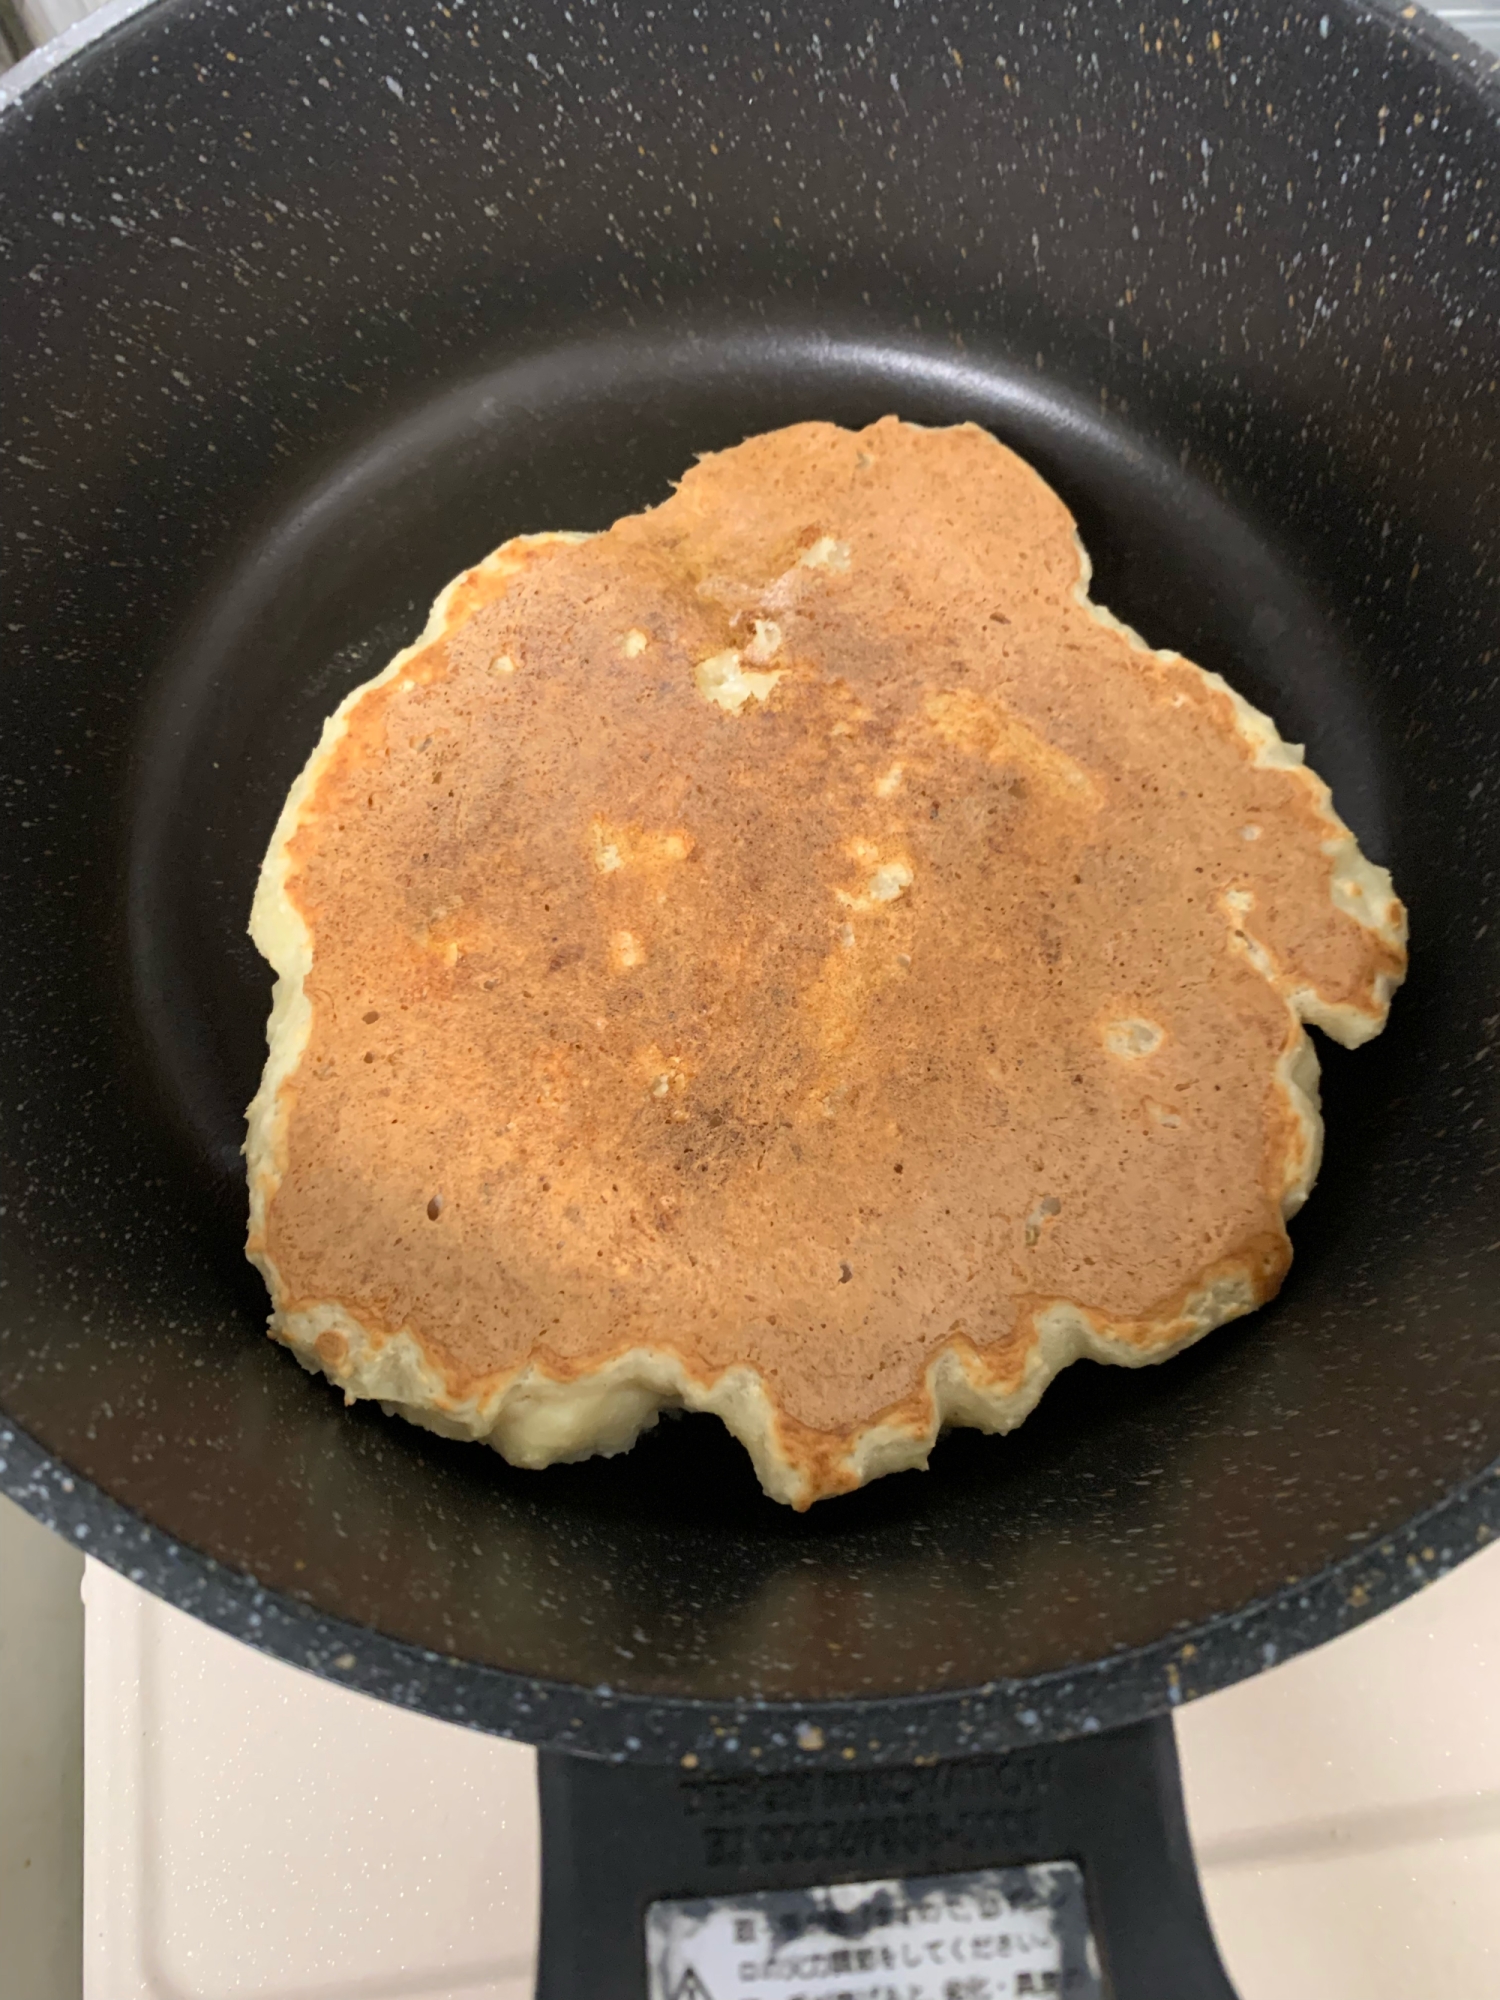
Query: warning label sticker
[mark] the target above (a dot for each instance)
(990, 1934)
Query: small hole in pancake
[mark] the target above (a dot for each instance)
(371, 1017)
(434, 1208)
(827, 552)
(845, 1274)
(1046, 1210)
(1133, 1038)
(766, 643)
(723, 681)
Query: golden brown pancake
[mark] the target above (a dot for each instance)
(792, 955)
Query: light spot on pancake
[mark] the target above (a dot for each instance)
(617, 847)
(502, 664)
(607, 856)
(846, 936)
(1133, 1038)
(1160, 1113)
(987, 728)
(628, 950)
(448, 935)
(634, 643)
(1239, 902)
(1256, 952)
(888, 782)
(662, 1075)
(825, 553)
(407, 686)
(721, 680)
(1047, 1210)
(765, 644)
(887, 880)
(1249, 833)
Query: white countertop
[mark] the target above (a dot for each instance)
(255, 1834)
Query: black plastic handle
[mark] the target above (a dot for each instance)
(618, 1837)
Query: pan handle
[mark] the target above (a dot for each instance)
(620, 1838)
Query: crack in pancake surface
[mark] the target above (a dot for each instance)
(792, 955)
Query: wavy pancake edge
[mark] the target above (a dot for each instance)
(535, 1419)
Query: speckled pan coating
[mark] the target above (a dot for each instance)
(623, 1726)
(306, 307)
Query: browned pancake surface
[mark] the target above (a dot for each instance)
(946, 979)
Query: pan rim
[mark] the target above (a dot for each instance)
(649, 1728)
(63, 46)
(749, 1734)
(1413, 22)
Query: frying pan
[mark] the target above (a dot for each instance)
(309, 305)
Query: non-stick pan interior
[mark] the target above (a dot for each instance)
(369, 363)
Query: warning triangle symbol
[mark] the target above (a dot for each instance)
(691, 1987)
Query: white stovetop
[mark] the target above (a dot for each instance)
(254, 1834)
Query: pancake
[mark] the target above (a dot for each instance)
(793, 955)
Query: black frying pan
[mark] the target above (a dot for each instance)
(307, 307)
